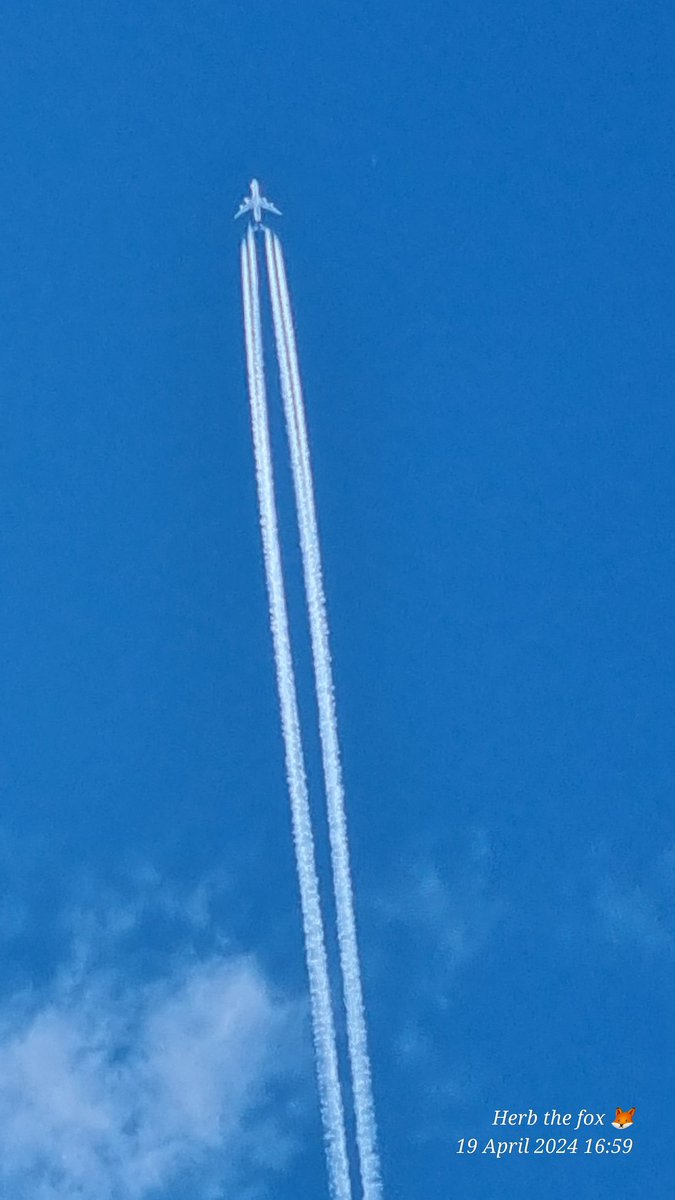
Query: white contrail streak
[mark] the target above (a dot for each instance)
(315, 948)
(366, 1129)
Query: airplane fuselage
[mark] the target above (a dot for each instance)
(256, 206)
(254, 203)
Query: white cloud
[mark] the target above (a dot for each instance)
(629, 914)
(444, 912)
(113, 1084)
(439, 914)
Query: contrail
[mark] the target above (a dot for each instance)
(330, 1094)
(366, 1129)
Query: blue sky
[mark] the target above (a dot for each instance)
(478, 231)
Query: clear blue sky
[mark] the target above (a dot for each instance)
(478, 205)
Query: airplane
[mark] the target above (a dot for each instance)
(255, 203)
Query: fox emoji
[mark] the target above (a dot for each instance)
(623, 1119)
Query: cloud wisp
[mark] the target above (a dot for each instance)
(113, 1084)
(443, 914)
(632, 916)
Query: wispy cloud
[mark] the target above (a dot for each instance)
(117, 1082)
(633, 914)
(436, 916)
(616, 905)
(443, 909)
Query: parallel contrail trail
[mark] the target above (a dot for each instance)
(366, 1129)
(330, 1094)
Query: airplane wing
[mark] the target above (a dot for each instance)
(242, 209)
(267, 204)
